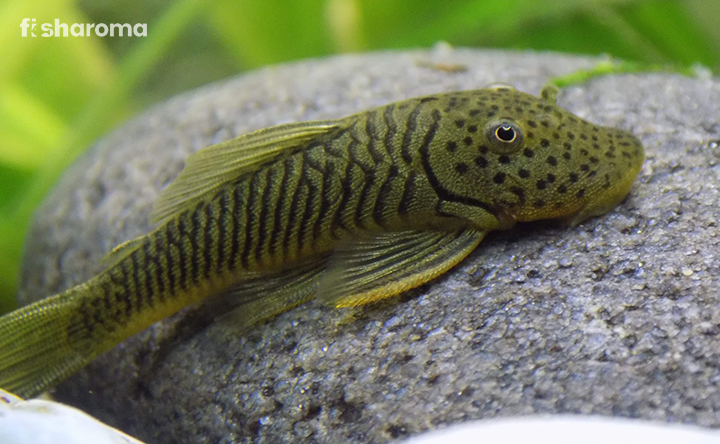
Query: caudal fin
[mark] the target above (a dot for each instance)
(37, 346)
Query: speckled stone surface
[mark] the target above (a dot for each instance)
(619, 316)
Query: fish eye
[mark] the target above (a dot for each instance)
(504, 136)
(505, 133)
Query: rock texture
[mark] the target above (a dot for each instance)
(619, 316)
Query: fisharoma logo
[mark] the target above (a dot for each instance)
(83, 29)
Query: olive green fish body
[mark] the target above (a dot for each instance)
(353, 210)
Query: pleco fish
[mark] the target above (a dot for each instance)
(352, 210)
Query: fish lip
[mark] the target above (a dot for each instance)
(612, 197)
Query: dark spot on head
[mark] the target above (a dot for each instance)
(481, 161)
(571, 135)
(550, 178)
(584, 152)
(573, 177)
(545, 143)
(499, 178)
(611, 148)
(539, 203)
(552, 161)
(394, 171)
(483, 149)
(519, 192)
(452, 146)
(567, 145)
(461, 168)
(584, 167)
(541, 184)
(460, 123)
(491, 114)
(624, 144)
(532, 123)
(592, 173)
(474, 112)
(468, 140)
(545, 123)
(494, 107)
(594, 160)
(528, 152)
(523, 173)
(530, 135)
(626, 154)
(504, 159)
(583, 136)
(595, 129)
(556, 136)
(562, 189)
(566, 155)
(594, 137)
(472, 128)
(596, 146)
(580, 194)
(610, 155)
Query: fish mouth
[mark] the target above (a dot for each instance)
(613, 196)
(602, 205)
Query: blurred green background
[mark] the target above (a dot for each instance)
(59, 94)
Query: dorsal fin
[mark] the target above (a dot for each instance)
(218, 164)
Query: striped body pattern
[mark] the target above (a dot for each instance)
(350, 210)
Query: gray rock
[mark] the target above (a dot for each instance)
(619, 316)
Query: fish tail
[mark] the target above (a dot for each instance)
(45, 342)
(40, 344)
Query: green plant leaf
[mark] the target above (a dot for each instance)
(271, 31)
(98, 115)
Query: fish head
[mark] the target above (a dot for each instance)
(523, 158)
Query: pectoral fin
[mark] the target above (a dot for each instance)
(379, 265)
(267, 295)
(215, 165)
